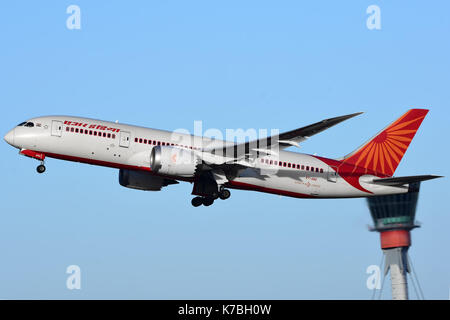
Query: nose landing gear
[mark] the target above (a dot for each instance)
(41, 168)
(35, 155)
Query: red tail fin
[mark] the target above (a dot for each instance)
(383, 153)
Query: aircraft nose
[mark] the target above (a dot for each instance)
(9, 137)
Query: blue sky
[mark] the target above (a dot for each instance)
(231, 64)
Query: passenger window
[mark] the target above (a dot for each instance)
(312, 169)
(109, 136)
(76, 130)
(307, 168)
(135, 139)
(95, 133)
(67, 129)
(72, 129)
(114, 136)
(140, 140)
(90, 132)
(321, 170)
(145, 141)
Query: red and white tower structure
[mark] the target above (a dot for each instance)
(393, 218)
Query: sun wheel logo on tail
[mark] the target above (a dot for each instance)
(382, 154)
(173, 161)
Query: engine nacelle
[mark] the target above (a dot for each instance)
(141, 180)
(173, 161)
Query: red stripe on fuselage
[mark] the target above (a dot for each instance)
(230, 184)
(96, 162)
(32, 154)
(350, 173)
(246, 186)
(110, 165)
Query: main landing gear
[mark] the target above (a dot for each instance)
(224, 194)
(209, 187)
(209, 200)
(41, 168)
(206, 201)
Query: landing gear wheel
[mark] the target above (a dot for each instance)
(224, 194)
(207, 201)
(40, 168)
(197, 201)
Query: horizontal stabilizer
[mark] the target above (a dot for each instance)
(398, 181)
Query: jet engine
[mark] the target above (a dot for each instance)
(173, 161)
(142, 180)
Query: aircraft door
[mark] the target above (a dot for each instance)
(124, 139)
(332, 174)
(57, 128)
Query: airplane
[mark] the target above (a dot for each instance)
(150, 159)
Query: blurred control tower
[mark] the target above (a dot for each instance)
(393, 217)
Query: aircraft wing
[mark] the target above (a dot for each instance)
(284, 140)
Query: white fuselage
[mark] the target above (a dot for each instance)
(120, 146)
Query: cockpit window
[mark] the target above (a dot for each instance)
(21, 124)
(29, 124)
